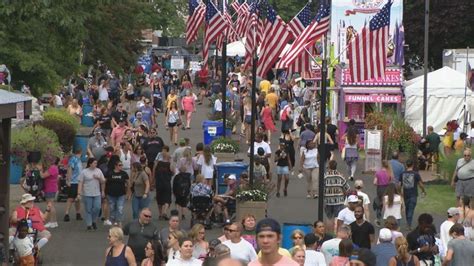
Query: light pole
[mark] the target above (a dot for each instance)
(425, 66)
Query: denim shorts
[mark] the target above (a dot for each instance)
(283, 170)
(50, 195)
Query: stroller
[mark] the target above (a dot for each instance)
(62, 185)
(200, 207)
(33, 184)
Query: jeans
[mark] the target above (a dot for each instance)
(91, 208)
(139, 203)
(410, 204)
(116, 208)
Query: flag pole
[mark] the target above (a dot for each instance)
(223, 77)
(254, 103)
(466, 114)
(425, 66)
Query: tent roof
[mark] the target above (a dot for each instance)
(238, 48)
(441, 83)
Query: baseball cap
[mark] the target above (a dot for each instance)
(453, 211)
(121, 119)
(182, 142)
(268, 224)
(352, 198)
(385, 234)
(231, 177)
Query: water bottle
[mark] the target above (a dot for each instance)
(30, 226)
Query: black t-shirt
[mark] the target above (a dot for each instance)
(282, 158)
(416, 240)
(152, 146)
(182, 185)
(117, 115)
(105, 121)
(116, 183)
(331, 130)
(361, 234)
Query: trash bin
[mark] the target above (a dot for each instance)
(16, 171)
(288, 229)
(213, 130)
(81, 141)
(223, 168)
(87, 119)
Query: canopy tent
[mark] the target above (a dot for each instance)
(238, 48)
(446, 88)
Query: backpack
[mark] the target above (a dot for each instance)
(284, 114)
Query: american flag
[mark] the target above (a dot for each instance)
(276, 36)
(242, 19)
(215, 25)
(251, 35)
(308, 37)
(297, 26)
(368, 50)
(236, 6)
(230, 32)
(197, 12)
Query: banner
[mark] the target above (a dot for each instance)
(349, 16)
(177, 62)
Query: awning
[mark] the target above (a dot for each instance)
(372, 90)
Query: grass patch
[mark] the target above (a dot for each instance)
(438, 199)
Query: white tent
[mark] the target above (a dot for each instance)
(238, 48)
(446, 88)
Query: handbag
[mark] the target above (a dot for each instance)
(179, 122)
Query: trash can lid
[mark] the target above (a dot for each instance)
(207, 123)
(232, 164)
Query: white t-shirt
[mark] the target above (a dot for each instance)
(218, 105)
(181, 262)
(263, 145)
(395, 210)
(444, 234)
(346, 216)
(330, 248)
(241, 251)
(207, 170)
(58, 101)
(103, 94)
(314, 258)
(310, 158)
(23, 246)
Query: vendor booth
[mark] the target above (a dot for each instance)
(357, 99)
(446, 90)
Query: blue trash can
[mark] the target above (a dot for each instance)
(212, 130)
(223, 168)
(87, 120)
(288, 229)
(81, 141)
(16, 171)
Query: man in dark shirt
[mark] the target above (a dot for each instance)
(152, 146)
(421, 241)
(410, 181)
(433, 139)
(119, 114)
(362, 231)
(332, 131)
(140, 232)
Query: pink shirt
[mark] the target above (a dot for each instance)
(284, 261)
(117, 134)
(51, 182)
(188, 103)
(383, 178)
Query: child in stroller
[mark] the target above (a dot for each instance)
(62, 184)
(32, 182)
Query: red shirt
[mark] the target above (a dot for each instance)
(35, 216)
(203, 75)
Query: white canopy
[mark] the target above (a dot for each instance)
(238, 48)
(446, 88)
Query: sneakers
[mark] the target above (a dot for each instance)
(78, 217)
(107, 222)
(51, 225)
(285, 193)
(94, 226)
(89, 228)
(278, 194)
(66, 218)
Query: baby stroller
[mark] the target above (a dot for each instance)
(33, 184)
(62, 185)
(200, 207)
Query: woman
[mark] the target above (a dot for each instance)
(50, 188)
(125, 154)
(319, 229)
(89, 187)
(186, 85)
(350, 153)
(189, 106)
(173, 245)
(140, 188)
(172, 97)
(118, 253)
(403, 256)
(267, 120)
(392, 203)
(116, 189)
(137, 154)
(103, 92)
(283, 163)
(201, 246)
(298, 254)
(392, 224)
(75, 110)
(248, 229)
(206, 162)
(144, 163)
(186, 161)
(467, 218)
(181, 189)
(309, 167)
(186, 254)
(104, 121)
(173, 118)
(345, 252)
(247, 103)
(382, 178)
(289, 146)
(154, 254)
(163, 173)
(329, 143)
(297, 236)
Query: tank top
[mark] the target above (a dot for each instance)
(126, 159)
(120, 260)
(34, 215)
(411, 262)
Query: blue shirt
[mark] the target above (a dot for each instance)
(384, 252)
(398, 168)
(76, 166)
(147, 114)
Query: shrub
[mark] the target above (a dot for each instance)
(225, 145)
(61, 116)
(65, 132)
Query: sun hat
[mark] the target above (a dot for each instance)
(26, 197)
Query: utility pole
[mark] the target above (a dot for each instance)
(224, 76)
(425, 66)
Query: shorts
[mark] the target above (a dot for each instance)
(203, 85)
(170, 125)
(49, 195)
(283, 170)
(72, 191)
(465, 188)
(333, 210)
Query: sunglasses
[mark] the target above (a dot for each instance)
(147, 216)
(230, 230)
(297, 237)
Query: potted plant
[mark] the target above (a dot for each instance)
(225, 149)
(63, 124)
(35, 143)
(252, 199)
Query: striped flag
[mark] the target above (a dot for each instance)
(215, 25)
(251, 35)
(308, 37)
(243, 19)
(297, 26)
(236, 6)
(276, 35)
(197, 12)
(368, 50)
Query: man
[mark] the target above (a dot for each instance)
(268, 239)
(265, 86)
(117, 134)
(173, 225)
(333, 131)
(140, 232)
(272, 99)
(306, 135)
(96, 145)
(27, 210)
(148, 113)
(359, 185)
(385, 250)
(464, 182)
(218, 105)
(239, 248)
(397, 167)
(72, 180)
(422, 242)
(313, 257)
(220, 201)
(138, 121)
(334, 193)
(444, 235)
(330, 248)
(260, 143)
(434, 141)
(303, 119)
(346, 216)
(362, 230)
(460, 250)
(152, 145)
(411, 180)
(286, 117)
(115, 88)
(186, 254)
(119, 114)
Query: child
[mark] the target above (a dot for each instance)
(24, 245)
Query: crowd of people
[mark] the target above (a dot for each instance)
(128, 160)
